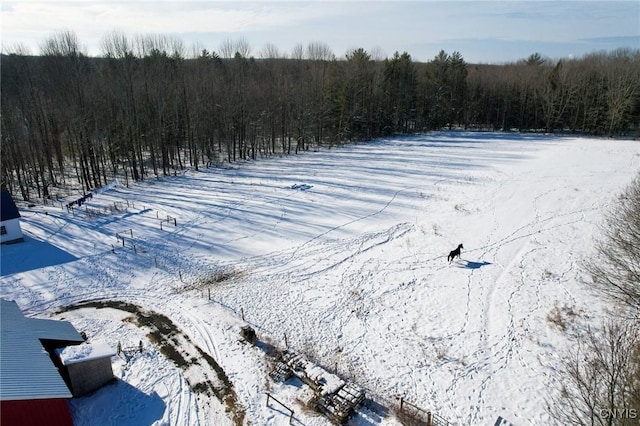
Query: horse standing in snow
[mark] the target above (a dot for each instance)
(454, 253)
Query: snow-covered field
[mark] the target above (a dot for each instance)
(344, 251)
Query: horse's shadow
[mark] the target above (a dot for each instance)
(468, 264)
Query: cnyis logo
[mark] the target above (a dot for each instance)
(619, 413)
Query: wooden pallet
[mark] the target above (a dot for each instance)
(281, 372)
(338, 407)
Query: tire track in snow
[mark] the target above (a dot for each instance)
(145, 296)
(177, 347)
(201, 330)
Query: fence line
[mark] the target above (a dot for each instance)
(169, 219)
(284, 406)
(432, 419)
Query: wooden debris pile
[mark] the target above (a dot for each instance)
(340, 405)
(281, 372)
(333, 397)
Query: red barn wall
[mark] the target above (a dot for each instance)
(35, 412)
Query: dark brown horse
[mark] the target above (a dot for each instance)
(454, 253)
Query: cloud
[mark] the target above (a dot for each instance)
(620, 41)
(393, 26)
(162, 16)
(565, 10)
(91, 20)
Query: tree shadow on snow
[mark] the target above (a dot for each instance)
(468, 264)
(31, 254)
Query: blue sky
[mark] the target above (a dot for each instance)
(482, 31)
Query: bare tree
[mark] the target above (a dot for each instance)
(116, 45)
(622, 90)
(226, 49)
(178, 49)
(270, 51)
(616, 274)
(230, 48)
(297, 52)
(319, 51)
(377, 54)
(17, 49)
(62, 43)
(601, 379)
(242, 47)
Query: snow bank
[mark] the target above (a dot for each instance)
(85, 352)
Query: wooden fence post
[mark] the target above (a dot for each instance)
(284, 406)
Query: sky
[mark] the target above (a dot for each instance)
(482, 31)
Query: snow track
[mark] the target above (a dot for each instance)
(344, 252)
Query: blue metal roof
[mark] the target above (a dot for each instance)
(26, 371)
(8, 209)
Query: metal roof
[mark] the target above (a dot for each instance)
(26, 371)
(8, 209)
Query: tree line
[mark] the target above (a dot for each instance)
(149, 106)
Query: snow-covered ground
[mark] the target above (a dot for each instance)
(344, 251)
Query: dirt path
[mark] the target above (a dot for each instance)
(186, 355)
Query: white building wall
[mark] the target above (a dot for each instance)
(14, 232)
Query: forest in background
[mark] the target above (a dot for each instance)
(149, 106)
